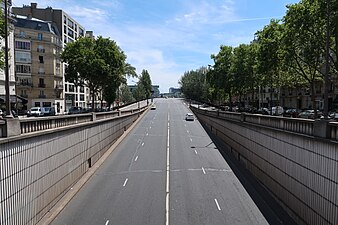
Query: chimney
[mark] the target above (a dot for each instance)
(34, 5)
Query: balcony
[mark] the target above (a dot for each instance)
(41, 50)
(24, 96)
(42, 85)
(42, 96)
(24, 84)
(59, 86)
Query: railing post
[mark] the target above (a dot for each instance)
(321, 128)
(12, 127)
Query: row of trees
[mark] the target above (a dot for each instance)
(100, 65)
(286, 53)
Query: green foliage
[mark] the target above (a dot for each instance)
(125, 94)
(144, 85)
(98, 64)
(194, 85)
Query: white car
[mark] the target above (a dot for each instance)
(153, 107)
(189, 116)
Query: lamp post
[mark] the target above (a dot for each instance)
(7, 82)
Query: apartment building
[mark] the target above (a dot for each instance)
(69, 30)
(38, 67)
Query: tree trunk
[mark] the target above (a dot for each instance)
(313, 99)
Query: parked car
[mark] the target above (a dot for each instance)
(34, 111)
(153, 107)
(263, 111)
(291, 113)
(310, 114)
(75, 110)
(48, 111)
(277, 110)
(189, 117)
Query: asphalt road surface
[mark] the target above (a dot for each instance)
(166, 171)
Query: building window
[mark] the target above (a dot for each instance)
(70, 33)
(65, 19)
(40, 58)
(71, 88)
(41, 71)
(40, 36)
(65, 39)
(22, 45)
(75, 27)
(81, 32)
(70, 23)
(81, 89)
(41, 49)
(37, 104)
(23, 57)
(23, 69)
(66, 87)
(81, 97)
(22, 34)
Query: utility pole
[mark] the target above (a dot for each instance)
(7, 81)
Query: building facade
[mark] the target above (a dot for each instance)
(69, 30)
(38, 67)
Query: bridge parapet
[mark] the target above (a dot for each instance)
(297, 125)
(296, 160)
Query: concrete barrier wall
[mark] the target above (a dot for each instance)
(37, 169)
(301, 171)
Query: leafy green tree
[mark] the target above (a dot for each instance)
(144, 84)
(126, 95)
(220, 77)
(194, 85)
(98, 64)
(2, 35)
(269, 60)
(303, 43)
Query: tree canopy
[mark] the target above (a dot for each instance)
(98, 64)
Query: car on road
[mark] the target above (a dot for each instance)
(75, 110)
(189, 117)
(310, 114)
(34, 111)
(49, 111)
(291, 113)
(41, 111)
(153, 107)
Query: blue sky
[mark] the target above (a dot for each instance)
(169, 37)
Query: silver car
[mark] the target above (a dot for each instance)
(189, 117)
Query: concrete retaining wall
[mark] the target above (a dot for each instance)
(36, 169)
(301, 171)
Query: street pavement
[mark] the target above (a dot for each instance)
(166, 171)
